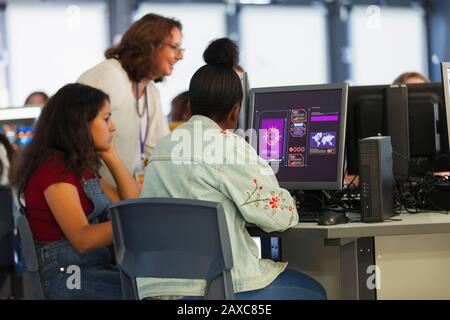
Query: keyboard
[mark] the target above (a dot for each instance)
(309, 216)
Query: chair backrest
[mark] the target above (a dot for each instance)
(6, 227)
(173, 238)
(32, 280)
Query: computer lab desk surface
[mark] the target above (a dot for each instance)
(419, 223)
(346, 237)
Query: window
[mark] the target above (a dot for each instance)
(201, 24)
(284, 45)
(387, 42)
(51, 44)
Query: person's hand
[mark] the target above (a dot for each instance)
(108, 155)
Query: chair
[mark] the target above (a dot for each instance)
(6, 235)
(173, 238)
(32, 281)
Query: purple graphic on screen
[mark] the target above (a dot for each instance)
(322, 140)
(324, 118)
(271, 137)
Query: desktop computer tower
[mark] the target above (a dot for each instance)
(376, 179)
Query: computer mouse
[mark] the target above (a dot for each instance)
(331, 219)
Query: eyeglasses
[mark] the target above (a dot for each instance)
(175, 47)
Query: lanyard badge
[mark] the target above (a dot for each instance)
(144, 112)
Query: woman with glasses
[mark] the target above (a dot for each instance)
(147, 53)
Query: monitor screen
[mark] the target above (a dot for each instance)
(300, 131)
(17, 124)
(364, 119)
(446, 84)
(428, 128)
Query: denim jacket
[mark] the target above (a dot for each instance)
(201, 161)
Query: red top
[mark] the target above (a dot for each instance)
(42, 222)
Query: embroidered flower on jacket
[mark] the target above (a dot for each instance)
(274, 202)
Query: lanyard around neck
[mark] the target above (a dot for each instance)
(142, 140)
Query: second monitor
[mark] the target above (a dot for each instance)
(300, 131)
(17, 124)
(428, 140)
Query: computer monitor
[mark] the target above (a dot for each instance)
(364, 119)
(446, 84)
(301, 130)
(428, 128)
(367, 116)
(17, 124)
(379, 110)
(243, 115)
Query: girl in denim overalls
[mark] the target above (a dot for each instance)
(66, 200)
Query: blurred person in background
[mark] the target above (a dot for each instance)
(180, 111)
(37, 98)
(411, 78)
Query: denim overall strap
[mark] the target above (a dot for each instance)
(98, 197)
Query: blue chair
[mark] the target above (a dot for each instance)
(32, 281)
(172, 238)
(6, 235)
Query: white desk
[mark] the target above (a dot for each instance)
(421, 223)
(350, 257)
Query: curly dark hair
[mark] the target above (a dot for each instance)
(63, 130)
(135, 50)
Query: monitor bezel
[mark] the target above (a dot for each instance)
(243, 114)
(445, 66)
(352, 134)
(20, 113)
(435, 88)
(309, 185)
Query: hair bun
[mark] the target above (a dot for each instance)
(222, 51)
